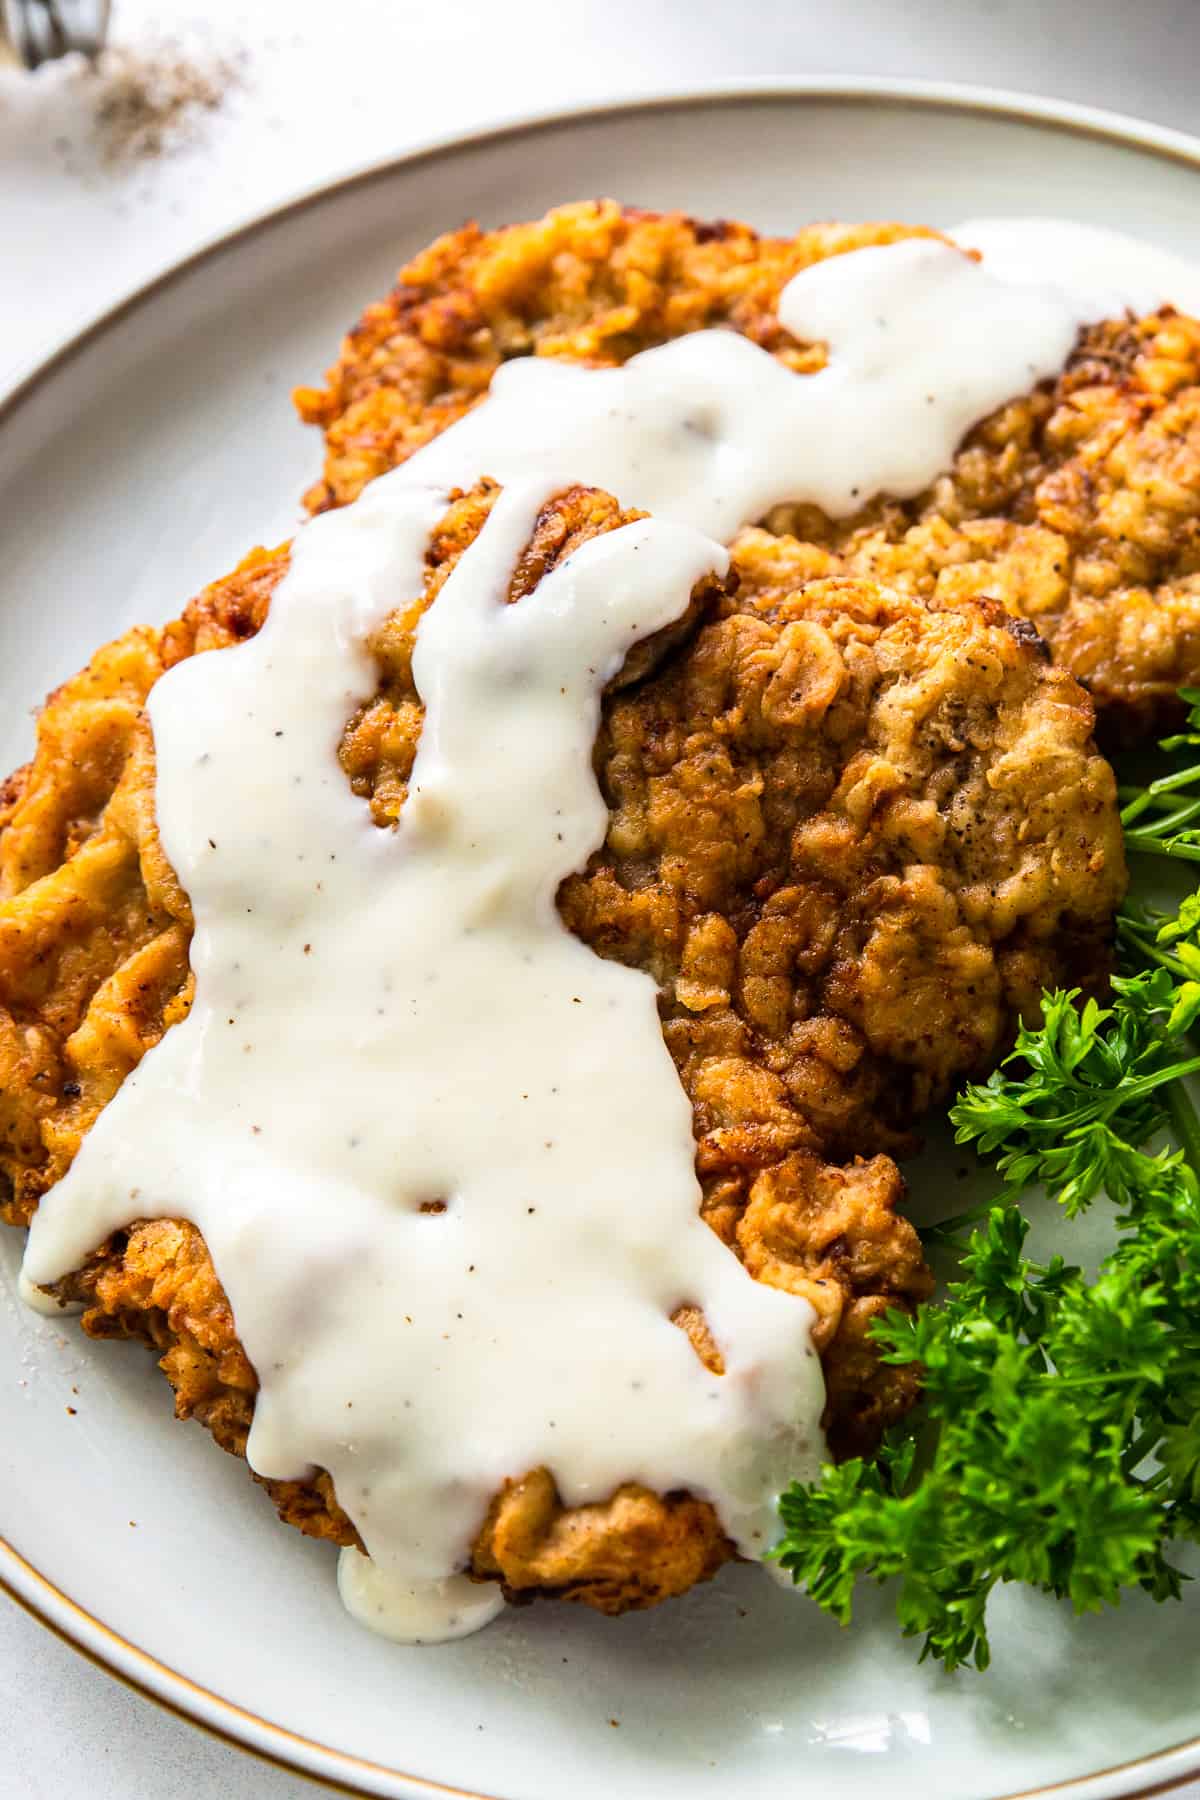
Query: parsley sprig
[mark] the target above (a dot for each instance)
(1058, 1441)
(1163, 817)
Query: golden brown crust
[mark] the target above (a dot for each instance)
(593, 282)
(1077, 506)
(813, 848)
(630, 1552)
(853, 840)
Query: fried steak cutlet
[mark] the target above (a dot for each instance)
(1077, 506)
(850, 837)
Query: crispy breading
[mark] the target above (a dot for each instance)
(854, 839)
(849, 836)
(592, 283)
(1077, 506)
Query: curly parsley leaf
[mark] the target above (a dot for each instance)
(1091, 1091)
(1038, 1389)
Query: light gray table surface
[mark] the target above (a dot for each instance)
(329, 87)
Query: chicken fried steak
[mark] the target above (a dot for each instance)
(1077, 506)
(850, 838)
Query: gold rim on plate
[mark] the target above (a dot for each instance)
(213, 1713)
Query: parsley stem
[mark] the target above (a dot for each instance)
(949, 1231)
(1137, 800)
(1130, 933)
(1164, 798)
(1146, 1084)
(1170, 784)
(1149, 844)
(1107, 1101)
(1177, 816)
(1174, 815)
(1107, 1379)
(1185, 1122)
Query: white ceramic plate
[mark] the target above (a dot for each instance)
(144, 460)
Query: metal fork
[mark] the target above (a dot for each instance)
(37, 31)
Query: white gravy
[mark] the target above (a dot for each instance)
(1115, 272)
(389, 1020)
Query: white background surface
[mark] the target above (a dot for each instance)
(327, 88)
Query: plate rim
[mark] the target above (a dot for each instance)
(221, 1718)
